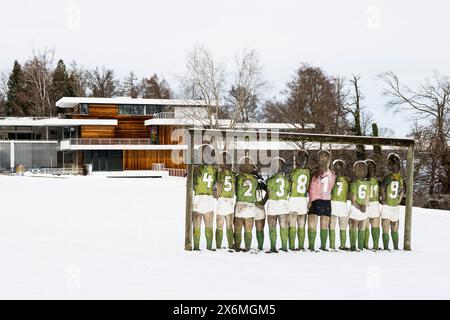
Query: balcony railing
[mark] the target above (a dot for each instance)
(108, 141)
(164, 115)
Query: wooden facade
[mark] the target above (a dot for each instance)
(130, 127)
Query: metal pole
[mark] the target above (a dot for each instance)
(409, 198)
(189, 191)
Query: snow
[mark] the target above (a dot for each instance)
(94, 237)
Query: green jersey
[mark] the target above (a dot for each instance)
(227, 179)
(205, 179)
(374, 189)
(340, 189)
(300, 179)
(394, 187)
(246, 185)
(360, 189)
(278, 187)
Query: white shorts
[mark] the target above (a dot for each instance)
(246, 210)
(277, 207)
(298, 205)
(373, 209)
(339, 209)
(260, 214)
(225, 206)
(391, 213)
(357, 214)
(203, 204)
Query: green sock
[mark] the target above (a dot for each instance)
(209, 238)
(237, 240)
(353, 237)
(323, 239)
(312, 239)
(230, 237)
(248, 240)
(273, 238)
(343, 238)
(376, 238)
(361, 235)
(366, 238)
(394, 235)
(301, 238)
(385, 241)
(260, 239)
(196, 238)
(332, 239)
(292, 234)
(284, 238)
(219, 237)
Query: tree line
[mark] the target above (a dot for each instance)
(334, 104)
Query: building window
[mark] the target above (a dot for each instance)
(84, 108)
(139, 110)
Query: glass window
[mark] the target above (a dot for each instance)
(84, 108)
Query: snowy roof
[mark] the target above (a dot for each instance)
(70, 102)
(55, 122)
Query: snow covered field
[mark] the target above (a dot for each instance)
(93, 237)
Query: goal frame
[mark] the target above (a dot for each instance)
(305, 137)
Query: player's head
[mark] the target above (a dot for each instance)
(225, 160)
(360, 169)
(277, 165)
(324, 159)
(247, 165)
(339, 166)
(206, 154)
(393, 162)
(301, 158)
(371, 168)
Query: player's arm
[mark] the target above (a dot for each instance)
(383, 191)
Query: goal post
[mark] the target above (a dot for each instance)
(194, 138)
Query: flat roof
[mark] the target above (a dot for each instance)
(54, 122)
(70, 102)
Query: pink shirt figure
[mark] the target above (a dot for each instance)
(321, 185)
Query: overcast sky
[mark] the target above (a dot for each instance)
(342, 37)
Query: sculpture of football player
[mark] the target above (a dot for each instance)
(339, 208)
(205, 176)
(226, 186)
(245, 210)
(392, 191)
(278, 187)
(373, 210)
(322, 182)
(300, 177)
(260, 215)
(360, 196)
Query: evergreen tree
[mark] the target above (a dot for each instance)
(61, 83)
(15, 104)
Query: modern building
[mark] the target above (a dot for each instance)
(112, 134)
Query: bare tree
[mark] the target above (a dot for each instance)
(130, 86)
(430, 104)
(37, 73)
(247, 87)
(154, 88)
(102, 83)
(79, 78)
(354, 108)
(205, 79)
